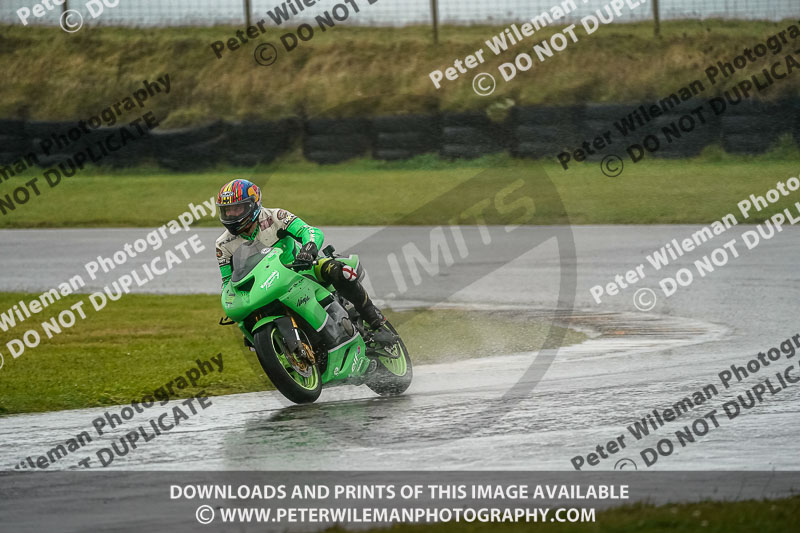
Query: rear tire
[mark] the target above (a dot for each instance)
(271, 350)
(392, 377)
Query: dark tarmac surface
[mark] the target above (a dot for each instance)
(489, 413)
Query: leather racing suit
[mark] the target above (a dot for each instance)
(281, 229)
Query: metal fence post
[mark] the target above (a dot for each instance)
(656, 18)
(435, 16)
(246, 12)
(64, 7)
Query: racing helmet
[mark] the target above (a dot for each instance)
(239, 204)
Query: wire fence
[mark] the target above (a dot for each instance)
(378, 13)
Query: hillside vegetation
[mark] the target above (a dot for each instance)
(53, 75)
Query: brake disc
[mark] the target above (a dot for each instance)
(303, 367)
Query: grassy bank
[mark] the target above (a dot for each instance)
(141, 342)
(366, 192)
(775, 516)
(57, 75)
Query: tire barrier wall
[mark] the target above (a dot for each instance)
(187, 149)
(545, 131)
(471, 135)
(672, 133)
(328, 140)
(756, 126)
(403, 137)
(527, 132)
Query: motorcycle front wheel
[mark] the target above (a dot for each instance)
(273, 356)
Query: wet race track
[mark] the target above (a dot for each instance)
(505, 411)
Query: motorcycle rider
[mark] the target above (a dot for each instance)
(240, 211)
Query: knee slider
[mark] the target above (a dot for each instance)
(332, 271)
(336, 271)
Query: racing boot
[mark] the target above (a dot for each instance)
(372, 315)
(357, 295)
(380, 335)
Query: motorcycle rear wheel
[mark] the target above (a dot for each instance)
(392, 376)
(271, 351)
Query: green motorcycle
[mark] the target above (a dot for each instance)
(306, 335)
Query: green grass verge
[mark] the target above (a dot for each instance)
(367, 192)
(777, 516)
(57, 75)
(140, 343)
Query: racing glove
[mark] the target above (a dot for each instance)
(307, 253)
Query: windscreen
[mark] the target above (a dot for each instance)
(246, 257)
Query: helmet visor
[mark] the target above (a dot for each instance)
(236, 212)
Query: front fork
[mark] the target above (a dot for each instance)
(290, 332)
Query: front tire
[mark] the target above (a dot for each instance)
(271, 351)
(392, 376)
